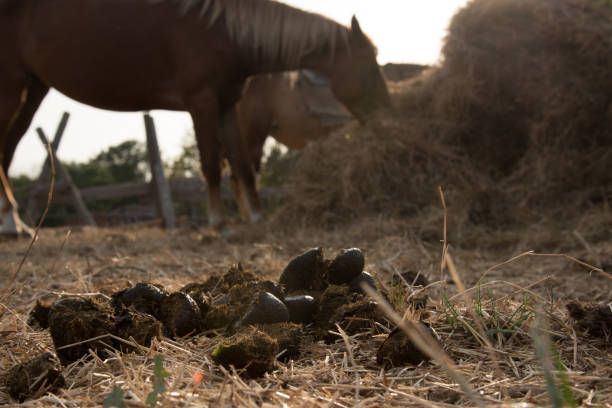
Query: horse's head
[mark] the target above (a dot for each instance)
(356, 78)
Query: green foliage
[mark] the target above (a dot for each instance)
(455, 320)
(122, 163)
(504, 323)
(115, 399)
(278, 165)
(559, 392)
(89, 174)
(495, 321)
(187, 164)
(22, 181)
(217, 350)
(125, 162)
(566, 390)
(274, 170)
(159, 386)
(520, 314)
(398, 294)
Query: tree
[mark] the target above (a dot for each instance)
(126, 161)
(122, 163)
(187, 164)
(277, 166)
(22, 181)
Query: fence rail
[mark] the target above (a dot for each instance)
(189, 189)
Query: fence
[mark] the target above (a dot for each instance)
(165, 193)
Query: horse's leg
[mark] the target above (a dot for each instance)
(12, 93)
(235, 184)
(256, 151)
(240, 162)
(35, 94)
(240, 197)
(204, 109)
(255, 127)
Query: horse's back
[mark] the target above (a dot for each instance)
(122, 54)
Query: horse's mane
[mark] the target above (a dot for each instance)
(271, 31)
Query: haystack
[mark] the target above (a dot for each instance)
(514, 123)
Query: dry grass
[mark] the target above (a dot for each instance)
(341, 374)
(513, 123)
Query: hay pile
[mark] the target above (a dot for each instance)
(514, 123)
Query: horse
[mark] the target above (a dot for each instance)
(295, 108)
(186, 55)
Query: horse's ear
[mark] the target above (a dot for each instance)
(355, 28)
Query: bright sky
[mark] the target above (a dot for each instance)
(403, 30)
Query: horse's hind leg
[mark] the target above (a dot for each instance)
(240, 197)
(255, 145)
(17, 106)
(204, 110)
(239, 192)
(241, 165)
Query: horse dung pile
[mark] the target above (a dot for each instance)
(255, 321)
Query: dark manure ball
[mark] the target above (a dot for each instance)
(130, 324)
(74, 320)
(594, 319)
(38, 318)
(268, 309)
(346, 266)
(399, 351)
(37, 376)
(302, 308)
(144, 297)
(304, 272)
(252, 352)
(180, 315)
(364, 278)
(289, 337)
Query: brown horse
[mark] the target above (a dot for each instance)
(191, 55)
(295, 108)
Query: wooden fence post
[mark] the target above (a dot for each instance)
(160, 183)
(63, 174)
(43, 178)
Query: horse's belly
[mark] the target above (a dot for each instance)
(117, 85)
(119, 98)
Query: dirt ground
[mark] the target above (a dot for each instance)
(343, 373)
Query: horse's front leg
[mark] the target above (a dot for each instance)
(12, 97)
(204, 110)
(240, 197)
(241, 165)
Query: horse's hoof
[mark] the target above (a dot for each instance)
(14, 234)
(13, 227)
(27, 232)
